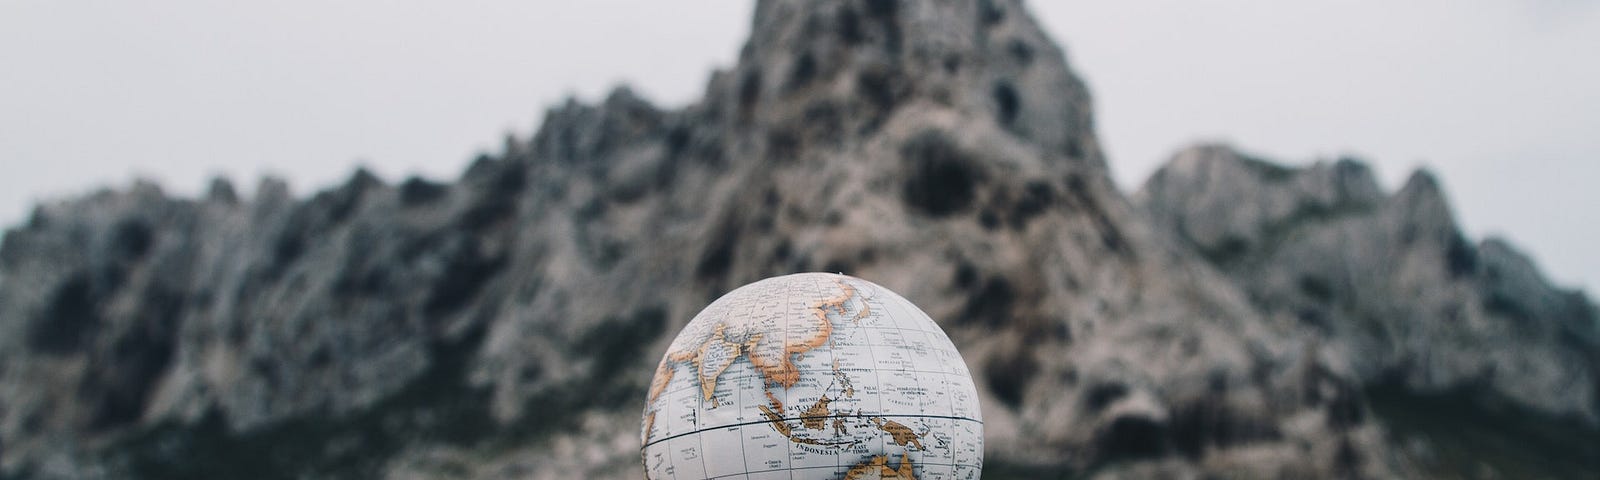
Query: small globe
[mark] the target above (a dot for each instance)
(812, 375)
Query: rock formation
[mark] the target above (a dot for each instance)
(1388, 279)
(1237, 319)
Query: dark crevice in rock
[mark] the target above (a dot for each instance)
(71, 319)
(805, 70)
(749, 92)
(120, 383)
(1006, 103)
(1110, 236)
(1020, 51)
(614, 342)
(1210, 423)
(1461, 259)
(1346, 460)
(952, 64)
(486, 213)
(717, 259)
(1074, 148)
(1100, 396)
(881, 88)
(1232, 248)
(990, 13)
(361, 276)
(989, 220)
(1345, 408)
(11, 249)
(822, 119)
(286, 249)
(604, 253)
(850, 27)
(132, 239)
(1132, 437)
(501, 182)
(966, 276)
(990, 306)
(1316, 288)
(1035, 199)
(885, 13)
(943, 178)
(782, 146)
(1009, 375)
(677, 140)
(468, 270)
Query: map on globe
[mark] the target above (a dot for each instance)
(812, 376)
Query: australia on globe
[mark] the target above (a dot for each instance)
(812, 375)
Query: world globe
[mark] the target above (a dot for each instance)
(812, 375)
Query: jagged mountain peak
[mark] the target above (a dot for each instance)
(1425, 197)
(985, 58)
(1223, 166)
(1224, 200)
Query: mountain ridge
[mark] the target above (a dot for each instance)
(504, 324)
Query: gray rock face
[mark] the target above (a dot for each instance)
(506, 324)
(1388, 279)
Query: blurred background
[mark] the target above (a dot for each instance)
(1498, 97)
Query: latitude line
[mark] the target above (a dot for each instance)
(804, 417)
(820, 467)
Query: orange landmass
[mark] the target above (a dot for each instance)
(865, 309)
(778, 423)
(776, 404)
(779, 369)
(709, 372)
(662, 379)
(816, 416)
(903, 436)
(844, 380)
(879, 468)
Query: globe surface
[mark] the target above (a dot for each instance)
(812, 375)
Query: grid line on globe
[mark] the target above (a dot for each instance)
(812, 376)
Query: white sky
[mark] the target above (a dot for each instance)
(1501, 98)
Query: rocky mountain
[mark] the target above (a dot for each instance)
(1386, 278)
(1425, 319)
(1234, 318)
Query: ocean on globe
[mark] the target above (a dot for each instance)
(812, 375)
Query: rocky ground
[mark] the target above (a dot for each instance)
(1233, 318)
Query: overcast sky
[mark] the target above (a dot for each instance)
(1498, 97)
